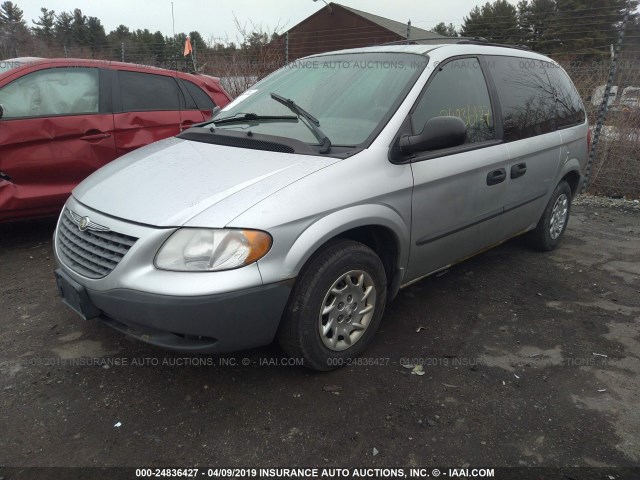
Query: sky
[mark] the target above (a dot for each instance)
(214, 19)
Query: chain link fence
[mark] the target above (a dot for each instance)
(616, 165)
(238, 69)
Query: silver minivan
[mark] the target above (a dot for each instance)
(303, 206)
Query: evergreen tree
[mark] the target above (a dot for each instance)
(14, 33)
(497, 22)
(119, 39)
(255, 41)
(585, 26)
(477, 23)
(44, 26)
(79, 31)
(534, 20)
(121, 33)
(63, 29)
(159, 48)
(632, 35)
(445, 30)
(504, 21)
(143, 40)
(197, 39)
(96, 37)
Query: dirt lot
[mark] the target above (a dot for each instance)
(531, 359)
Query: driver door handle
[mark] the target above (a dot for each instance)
(496, 176)
(94, 135)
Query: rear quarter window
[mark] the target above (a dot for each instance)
(527, 98)
(569, 109)
(203, 100)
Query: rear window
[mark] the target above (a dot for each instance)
(144, 91)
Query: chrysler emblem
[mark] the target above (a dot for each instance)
(83, 223)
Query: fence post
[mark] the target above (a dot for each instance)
(286, 48)
(66, 55)
(193, 56)
(604, 106)
(408, 31)
(122, 50)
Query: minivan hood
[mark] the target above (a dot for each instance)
(172, 182)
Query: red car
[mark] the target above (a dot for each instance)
(62, 119)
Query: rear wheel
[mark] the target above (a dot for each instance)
(336, 306)
(551, 226)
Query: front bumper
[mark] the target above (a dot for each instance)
(217, 323)
(200, 312)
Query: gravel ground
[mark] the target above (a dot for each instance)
(531, 359)
(607, 202)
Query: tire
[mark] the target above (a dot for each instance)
(334, 282)
(551, 226)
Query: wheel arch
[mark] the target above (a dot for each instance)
(379, 227)
(574, 179)
(384, 242)
(571, 173)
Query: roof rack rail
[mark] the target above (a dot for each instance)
(455, 41)
(484, 41)
(419, 41)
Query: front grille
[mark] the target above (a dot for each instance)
(90, 253)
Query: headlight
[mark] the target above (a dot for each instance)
(208, 250)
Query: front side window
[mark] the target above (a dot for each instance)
(141, 92)
(53, 91)
(527, 98)
(351, 96)
(458, 89)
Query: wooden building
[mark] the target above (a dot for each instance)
(335, 27)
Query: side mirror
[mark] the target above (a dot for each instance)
(216, 110)
(1, 111)
(438, 132)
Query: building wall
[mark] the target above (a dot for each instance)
(325, 31)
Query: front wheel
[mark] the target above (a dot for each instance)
(336, 306)
(551, 226)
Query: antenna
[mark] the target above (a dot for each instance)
(173, 25)
(173, 22)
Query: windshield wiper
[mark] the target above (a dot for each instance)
(249, 117)
(311, 121)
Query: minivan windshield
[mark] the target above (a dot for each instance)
(351, 96)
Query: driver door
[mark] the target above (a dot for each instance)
(459, 192)
(56, 130)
